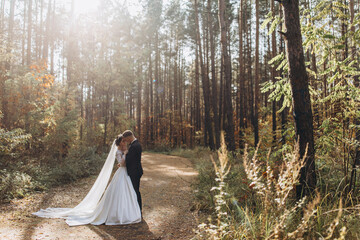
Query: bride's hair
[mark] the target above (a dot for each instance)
(118, 139)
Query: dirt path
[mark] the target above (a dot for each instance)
(167, 200)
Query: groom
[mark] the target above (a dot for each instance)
(133, 163)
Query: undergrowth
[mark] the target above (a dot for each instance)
(27, 175)
(252, 196)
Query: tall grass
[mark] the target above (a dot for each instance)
(270, 210)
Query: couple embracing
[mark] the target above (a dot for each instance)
(114, 204)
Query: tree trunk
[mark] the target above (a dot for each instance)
(147, 104)
(197, 91)
(214, 79)
(176, 92)
(151, 94)
(157, 100)
(40, 33)
(47, 34)
(10, 33)
(227, 75)
(257, 73)
(81, 109)
(171, 100)
(28, 50)
(52, 40)
(301, 98)
(273, 72)
(241, 76)
(6, 67)
(205, 83)
(356, 161)
(106, 115)
(23, 39)
(284, 113)
(139, 103)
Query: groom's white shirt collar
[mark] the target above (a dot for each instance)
(133, 141)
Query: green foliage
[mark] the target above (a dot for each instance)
(25, 177)
(9, 140)
(14, 184)
(81, 162)
(275, 21)
(279, 90)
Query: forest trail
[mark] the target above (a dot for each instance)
(167, 200)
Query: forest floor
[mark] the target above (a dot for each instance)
(167, 203)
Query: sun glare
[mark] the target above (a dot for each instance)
(88, 6)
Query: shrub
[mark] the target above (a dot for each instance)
(22, 178)
(14, 184)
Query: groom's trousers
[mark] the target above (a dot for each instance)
(136, 184)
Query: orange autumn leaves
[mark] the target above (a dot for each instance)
(29, 95)
(39, 72)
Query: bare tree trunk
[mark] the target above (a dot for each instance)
(23, 39)
(180, 136)
(151, 94)
(257, 73)
(47, 34)
(28, 50)
(52, 40)
(241, 76)
(301, 98)
(70, 50)
(147, 104)
(197, 91)
(10, 33)
(206, 85)
(40, 34)
(227, 76)
(6, 67)
(157, 100)
(81, 109)
(214, 79)
(171, 100)
(106, 115)
(176, 92)
(139, 103)
(245, 65)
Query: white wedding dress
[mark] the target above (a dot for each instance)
(114, 206)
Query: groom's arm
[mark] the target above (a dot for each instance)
(130, 155)
(138, 152)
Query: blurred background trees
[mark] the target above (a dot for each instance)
(177, 73)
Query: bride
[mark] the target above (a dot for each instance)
(117, 204)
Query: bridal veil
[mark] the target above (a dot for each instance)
(89, 203)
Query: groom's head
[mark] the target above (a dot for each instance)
(128, 136)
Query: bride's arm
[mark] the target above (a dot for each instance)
(122, 161)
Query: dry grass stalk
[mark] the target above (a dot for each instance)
(274, 193)
(221, 229)
(335, 223)
(271, 213)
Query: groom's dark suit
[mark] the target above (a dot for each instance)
(134, 168)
